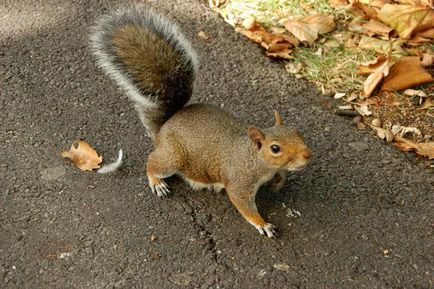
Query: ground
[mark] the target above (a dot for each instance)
(365, 209)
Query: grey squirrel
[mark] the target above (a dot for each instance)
(153, 62)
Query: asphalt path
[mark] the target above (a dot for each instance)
(360, 216)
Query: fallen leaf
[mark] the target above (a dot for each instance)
(277, 45)
(403, 130)
(346, 107)
(371, 66)
(426, 3)
(339, 95)
(284, 54)
(429, 33)
(363, 109)
(377, 70)
(427, 60)
(378, 3)
(407, 19)
(383, 134)
(427, 104)
(216, 3)
(83, 156)
(382, 46)
(414, 92)
(374, 27)
(281, 267)
(417, 40)
(308, 28)
(406, 72)
(338, 3)
(422, 149)
(362, 10)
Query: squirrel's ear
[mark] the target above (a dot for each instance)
(256, 136)
(278, 118)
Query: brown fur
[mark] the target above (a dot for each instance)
(207, 145)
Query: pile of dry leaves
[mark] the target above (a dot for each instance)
(397, 93)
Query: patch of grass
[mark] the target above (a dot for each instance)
(270, 12)
(332, 68)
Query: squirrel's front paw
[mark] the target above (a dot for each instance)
(268, 230)
(160, 188)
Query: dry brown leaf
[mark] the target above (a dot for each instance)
(249, 34)
(377, 70)
(83, 156)
(378, 3)
(415, 92)
(427, 3)
(427, 60)
(363, 109)
(276, 44)
(362, 10)
(371, 66)
(285, 54)
(216, 3)
(422, 149)
(374, 27)
(381, 46)
(308, 28)
(429, 33)
(427, 104)
(405, 73)
(407, 19)
(338, 3)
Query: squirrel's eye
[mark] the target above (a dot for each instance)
(275, 149)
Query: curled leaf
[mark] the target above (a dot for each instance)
(407, 19)
(276, 44)
(422, 149)
(83, 156)
(374, 27)
(405, 73)
(309, 27)
(377, 70)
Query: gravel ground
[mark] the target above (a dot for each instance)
(360, 216)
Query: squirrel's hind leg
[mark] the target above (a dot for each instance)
(161, 164)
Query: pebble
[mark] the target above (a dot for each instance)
(53, 173)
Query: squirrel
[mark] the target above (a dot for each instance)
(153, 62)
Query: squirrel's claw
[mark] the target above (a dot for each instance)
(161, 189)
(268, 230)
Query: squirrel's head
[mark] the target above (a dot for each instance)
(280, 147)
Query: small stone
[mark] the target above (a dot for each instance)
(359, 146)
(361, 125)
(376, 122)
(357, 119)
(180, 279)
(153, 238)
(389, 136)
(53, 173)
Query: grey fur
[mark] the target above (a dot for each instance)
(153, 107)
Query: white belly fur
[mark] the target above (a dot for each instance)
(217, 187)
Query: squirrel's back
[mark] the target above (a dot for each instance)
(149, 58)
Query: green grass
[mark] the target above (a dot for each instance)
(335, 69)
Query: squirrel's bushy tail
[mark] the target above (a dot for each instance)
(149, 58)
